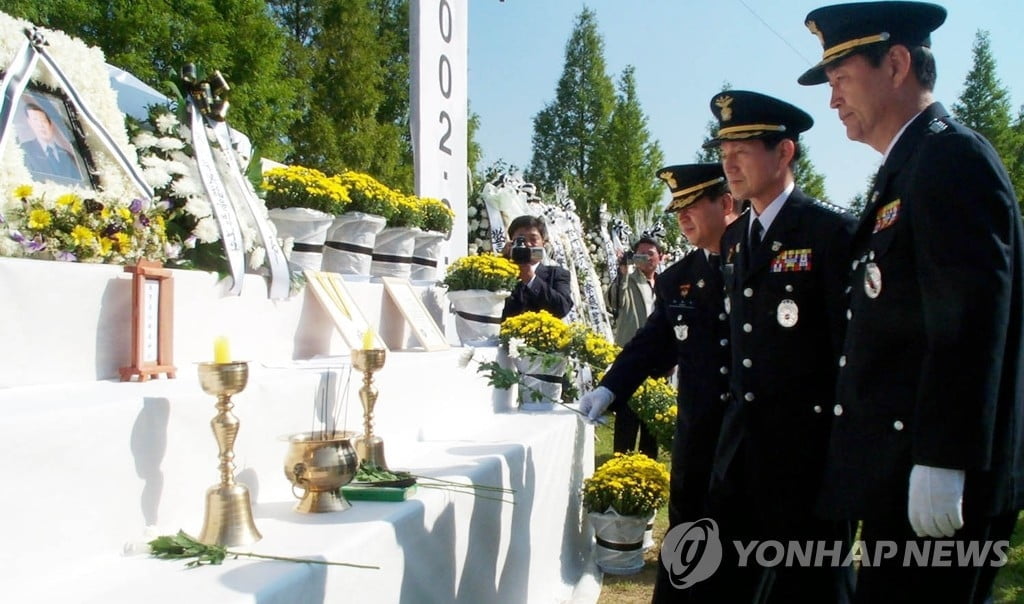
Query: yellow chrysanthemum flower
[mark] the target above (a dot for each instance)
(39, 219)
(82, 236)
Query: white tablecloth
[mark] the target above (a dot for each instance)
(92, 464)
(437, 547)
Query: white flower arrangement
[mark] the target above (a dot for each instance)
(85, 67)
(164, 153)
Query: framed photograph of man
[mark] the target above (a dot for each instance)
(50, 140)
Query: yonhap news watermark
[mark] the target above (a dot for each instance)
(693, 551)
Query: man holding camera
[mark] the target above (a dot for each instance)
(541, 286)
(631, 296)
(630, 300)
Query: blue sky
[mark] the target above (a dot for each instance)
(683, 51)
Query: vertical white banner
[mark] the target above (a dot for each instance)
(439, 106)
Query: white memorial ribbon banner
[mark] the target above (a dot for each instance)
(223, 210)
(17, 77)
(438, 41)
(279, 273)
(13, 85)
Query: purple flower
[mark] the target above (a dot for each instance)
(67, 257)
(143, 220)
(30, 245)
(136, 206)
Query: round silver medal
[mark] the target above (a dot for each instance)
(872, 280)
(787, 313)
(682, 332)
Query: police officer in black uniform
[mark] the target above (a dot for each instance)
(687, 328)
(785, 273)
(928, 436)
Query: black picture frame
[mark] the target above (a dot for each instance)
(69, 162)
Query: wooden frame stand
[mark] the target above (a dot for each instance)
(152, 322)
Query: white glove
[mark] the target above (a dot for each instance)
(935, 502)
(596, 402)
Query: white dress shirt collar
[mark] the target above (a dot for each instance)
(768, 215)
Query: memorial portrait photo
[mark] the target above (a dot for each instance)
(52, 151)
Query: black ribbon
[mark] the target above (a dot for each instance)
(307, 247)
(349, 247)
(619, 547)
(479, 318)
(424, 261)
(390, 258)
(543, 377)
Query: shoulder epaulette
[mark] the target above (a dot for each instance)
(828, 205)
(937, 125)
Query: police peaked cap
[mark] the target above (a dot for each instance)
(744, 115)
(689, 182)
(846, 29)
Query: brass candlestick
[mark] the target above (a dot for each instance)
(369, 447)
(228, 520)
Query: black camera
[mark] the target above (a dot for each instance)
(524, 254)
(641, 258)
(626, 257)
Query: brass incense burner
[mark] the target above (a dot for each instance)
(320, 463)
(369, 446)
(228, 519)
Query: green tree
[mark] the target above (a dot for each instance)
(567, 131)
(353, 116)
(984, 105)
(626, 160)
(474, 152)
(807, 177)
(152, 39)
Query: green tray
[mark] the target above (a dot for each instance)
(378, 493)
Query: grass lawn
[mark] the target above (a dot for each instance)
(634, 589)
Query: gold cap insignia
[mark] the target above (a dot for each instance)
(723, 103)
(669, 179)
(811, 25)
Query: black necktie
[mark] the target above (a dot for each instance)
(52, 154)
(715, 261)
(756, 233)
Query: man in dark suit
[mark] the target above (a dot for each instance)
(928, 436)
(541, 286)
(44, 158)
(785, 267)
(687, 328)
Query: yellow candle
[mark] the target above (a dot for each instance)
(221, 350)
(368, 340)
